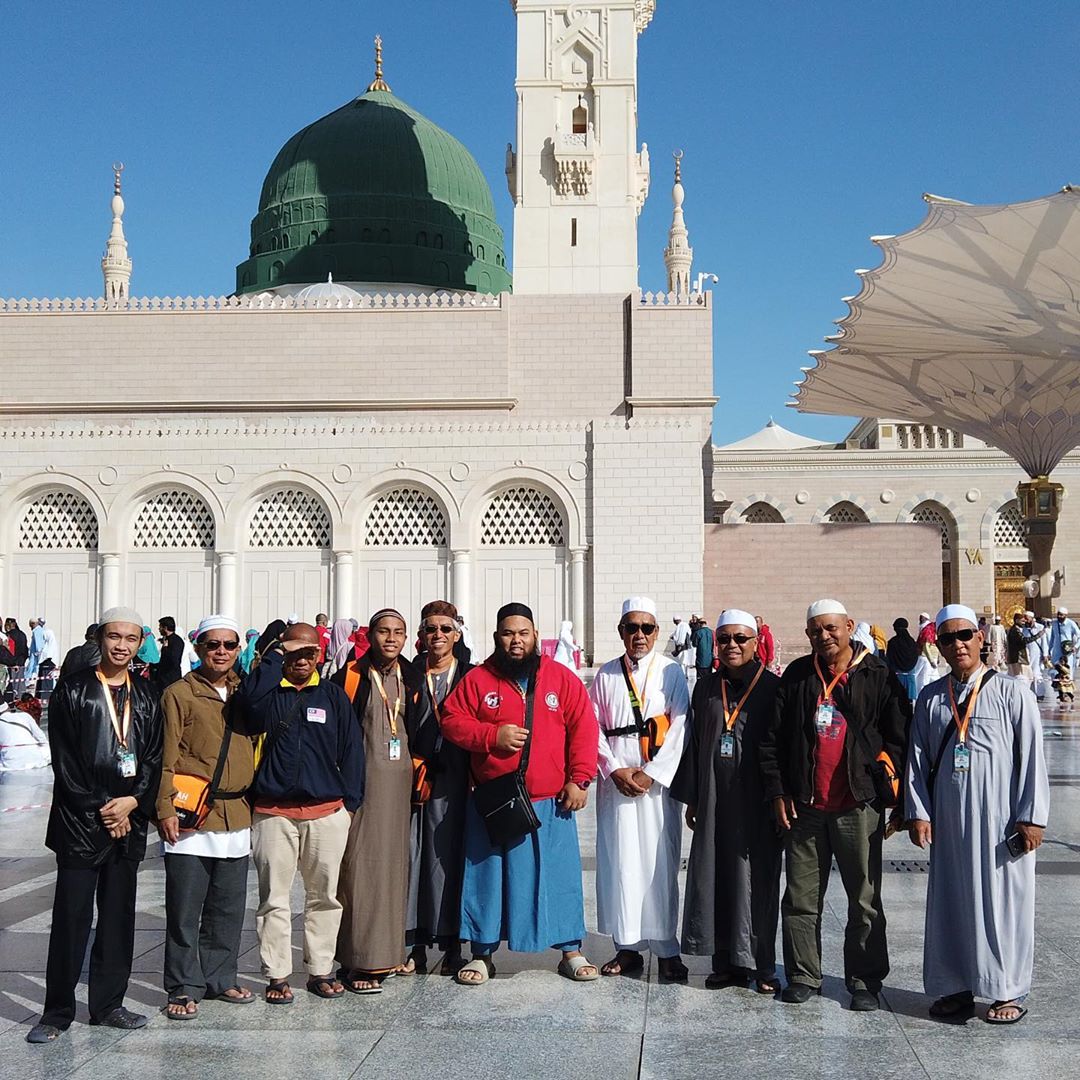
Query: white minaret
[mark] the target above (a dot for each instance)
(678, 255)
(577, 178)
(115, 264)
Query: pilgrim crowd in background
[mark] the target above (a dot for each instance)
(429, 805)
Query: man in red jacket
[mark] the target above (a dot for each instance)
(526, 892)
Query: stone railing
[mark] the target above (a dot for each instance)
(927, 437)
(255, 302)
(666, 299)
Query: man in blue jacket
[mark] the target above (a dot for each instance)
(309, 781)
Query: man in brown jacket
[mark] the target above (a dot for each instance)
(206, 867)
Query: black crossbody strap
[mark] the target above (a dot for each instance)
(639, 729)
(530, 696)
(219, 768)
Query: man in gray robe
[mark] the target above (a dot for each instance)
(977, 794)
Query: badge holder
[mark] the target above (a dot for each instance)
(727, 745)
(395, 749)
(127, 764)
(961, 759)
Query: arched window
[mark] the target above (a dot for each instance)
(284, 240)
(468, 247)
(58, 521)
(277, 268)
(405, 517)
(762, 513)
(580, 117)
(365, 236)
(1010, 529)
(930, 513)
(845, 513)
(289, 518)
(438, 242)
(314, 237)
(421, 239)
(384, 236)
(174, 520)
(522, 517)
(480, 252)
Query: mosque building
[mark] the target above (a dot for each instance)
(396, 415)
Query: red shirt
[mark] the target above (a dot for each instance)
(565, 733)
(766, 649)
(832, 788)
(324, 641)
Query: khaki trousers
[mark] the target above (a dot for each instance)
(280, 845)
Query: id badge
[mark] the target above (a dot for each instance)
(127, 764)
(727, 745)
(316, 716)
(395, 749)
(823, 718)
(961, 759)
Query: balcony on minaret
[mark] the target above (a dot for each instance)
(575, 154)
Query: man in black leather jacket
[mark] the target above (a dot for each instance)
(105, 736)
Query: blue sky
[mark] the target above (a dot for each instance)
(807, 127)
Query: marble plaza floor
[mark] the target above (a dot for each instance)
(529, 1022)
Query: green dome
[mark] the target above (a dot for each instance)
(375, 192)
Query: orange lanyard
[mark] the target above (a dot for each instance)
(391, 714)
(431, 686)
(962, 725)
(121, 728)
(730, 718)
(636, 697)
(830, 687)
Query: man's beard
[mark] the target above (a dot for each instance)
(513, 669)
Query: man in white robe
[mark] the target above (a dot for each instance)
(1064, 640)
(978, 796)
(997, 645)
(639, 825)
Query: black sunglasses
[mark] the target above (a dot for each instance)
(739, 639)
(647, 628)
(214, 645)
(950, 638)
(431, 628)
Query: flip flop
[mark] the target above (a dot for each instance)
(184, 1001)
(355, 977)
(230, 1000)
(1011, 1004)
(323, 986)
(570, 967)
(481, 966)
(624, 962)
(954, 1008)
(721, 980)
(767, 987)
(281, 987)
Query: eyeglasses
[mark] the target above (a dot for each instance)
(739, 639)
(647, 628)
(948, 639)
(431, 628)
(213, 646)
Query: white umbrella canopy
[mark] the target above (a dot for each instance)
(972, 321)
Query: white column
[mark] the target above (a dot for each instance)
(461, 583)
(227, 593)
(344, 586)
(3, 578)
(577, 593)
(110, 580)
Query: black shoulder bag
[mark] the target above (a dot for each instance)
(504, 802)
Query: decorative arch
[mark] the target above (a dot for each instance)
(233, 536)
(522, 515)
(58, 519)
(852, 508)
(476, 504)
(931, 512)
(19, 495)
(762, 513)
(405, 516)
(359, 504)
(181, 511)
(736, 512)
(986, 526)
(291, 517)
(1009, 530)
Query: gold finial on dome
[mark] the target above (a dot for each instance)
(379, 83)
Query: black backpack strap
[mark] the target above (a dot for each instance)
(638, 727)
(219, 768)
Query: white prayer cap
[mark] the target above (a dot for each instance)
(119, 614)
(825, 607)
(736, 617)
(293, 619)
(956, 611)
(1030, 614)
(1061, 611)
(216, 622)
(639, 603)
(41, 619)
(924, 616)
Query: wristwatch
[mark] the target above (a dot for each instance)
(583, 784)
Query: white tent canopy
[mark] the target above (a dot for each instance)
(971, 322)
(774, 437)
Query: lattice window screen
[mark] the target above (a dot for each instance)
(845, 513)
(929, 514)
(174, 520)
(1009, 527)
(520, 517)
(289, 518)
(405, 517)
(761, 513)
(58, 521)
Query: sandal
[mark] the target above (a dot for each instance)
(355, 978)
(721, 980)
(235, 995)
(767, 987)
(573, 968)
(954, 1008)
(624, 962)
(998, 1006)
(452, 963)
(281, 988)
(480, 966)
(671, 969)
(325, 986)
(182, 1004)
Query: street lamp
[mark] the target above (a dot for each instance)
(702, 278)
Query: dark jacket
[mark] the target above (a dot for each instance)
(420, 726)
(313, 752)
(86, 771)
(86, 655)
(19, 646)
(167, 670)
(877, 711)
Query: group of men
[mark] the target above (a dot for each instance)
(432, 804)
(28, 661)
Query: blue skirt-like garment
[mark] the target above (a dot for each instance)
(527, 894)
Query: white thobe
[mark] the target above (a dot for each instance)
(639, 839)
(980, 900)
(1061, 631)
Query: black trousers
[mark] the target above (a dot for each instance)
(113, 884)
(204, 914)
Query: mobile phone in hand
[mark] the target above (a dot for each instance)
(1016, 845)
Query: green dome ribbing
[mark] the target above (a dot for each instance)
(375, 192)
